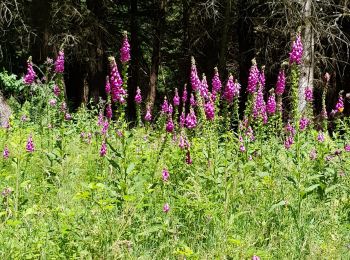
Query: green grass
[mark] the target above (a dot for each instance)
(67, 202)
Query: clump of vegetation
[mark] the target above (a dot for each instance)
(196, 180)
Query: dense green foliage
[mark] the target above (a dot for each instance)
(68, 202)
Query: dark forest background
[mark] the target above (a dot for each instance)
(164, 34)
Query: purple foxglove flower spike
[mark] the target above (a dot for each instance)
(191, 119)
(108, 86)
(303, 123)
(165, 175)
(281, 83)
(103, 150)
(166, 208)
(30, 76)
(195, 82)
(138, 97)
(6, 153)
(59, 63)
(204, 89)
(308, 94)
(118, 93)
(165, 106)
(271, 103)
(109, 112)
(320, 137)
(216, 83)
(340, 104)
(229, 91)
(209, 110)
(30, 145)
(176, 99)
(253, 78)
(125, 49)
(296, 54)
(148, 116)
(193, 101)
(56, 90)
(184, 95)
(169, 125)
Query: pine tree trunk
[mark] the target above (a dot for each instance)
(307, 68)
(159, 25)
(224, 38)
(135, 60)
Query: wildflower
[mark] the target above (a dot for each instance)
(125, 49)
(176, 99)
(255, 257)
(120, 133)
(308, 94)
(209, 110)
(59, 63)
(165, 106)
(216, 83)
(271, 103)
(313, 154)
(169, 125)
(118, 93)
(6, 192)
(52, 102)
(193, 101)
(188, 157)
(203, 90)
(166, 208)
(6, 153)
(56, 90)
(281, 82)
(63, 106)
(340, 104)
(195, 82)
(250, 133)
(191, 119)
(89, 136)
(30, 76)
(165, 175)
(82, 135)
(108, 86)
(182, 119)
(103, 150)
(170, 110)
(242, 148)
(288, 142)
(290, 129)
(67, 116)
(347, 148)
(100, 119)
(24, 118)
(184, 95)
(183, 142)
(229, 91)
(105, 127)
(109, 111)
(30, 144)
(253, 78)
(259, 107)
(296, 54)
(320, 137)
(148, 116)
(138, 97)
(303, 123)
